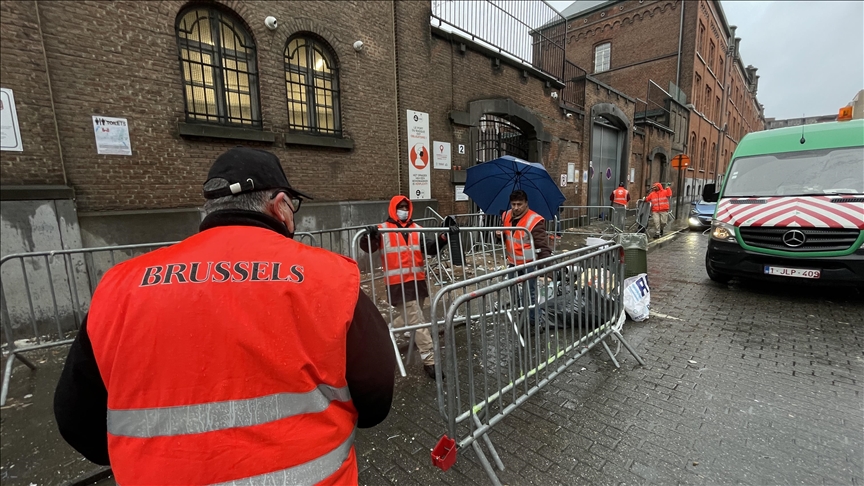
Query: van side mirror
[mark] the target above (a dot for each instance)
(709, 193)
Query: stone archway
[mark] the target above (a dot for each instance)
(609, 149)
(513, 114)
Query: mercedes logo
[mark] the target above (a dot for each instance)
(794, 238)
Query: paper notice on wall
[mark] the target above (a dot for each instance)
(419, 169)
(112, 136)
(571, 172)
(441, 155)
(632, 175)
(10, 133)
(584, 176)
(460, 194)
(563, 180)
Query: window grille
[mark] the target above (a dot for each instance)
(218, 62)
(312, 83)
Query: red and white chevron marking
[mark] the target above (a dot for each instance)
(804, 212)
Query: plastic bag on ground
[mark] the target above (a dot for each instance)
(637, 297)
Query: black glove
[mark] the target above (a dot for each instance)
(373, 232)
(452, 227)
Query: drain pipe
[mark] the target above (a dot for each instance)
(680, 40)
(398, 115)
(50, 93)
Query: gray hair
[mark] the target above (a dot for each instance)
(252, 201)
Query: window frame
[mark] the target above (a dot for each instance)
(311, 124)
(216, 18)
(608, 56)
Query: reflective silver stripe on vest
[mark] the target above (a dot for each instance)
(404, 271)
(209, 417)
(311, 472)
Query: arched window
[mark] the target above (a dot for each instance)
(218, 62)
(712, 153)
(703, 149)
(312, 82)
(693, 147)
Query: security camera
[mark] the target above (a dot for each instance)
(569, 115)
(271, 22)
(554, 95)
(358, 46)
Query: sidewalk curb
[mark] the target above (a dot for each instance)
(658, 243)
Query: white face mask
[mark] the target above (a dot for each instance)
(402, 214)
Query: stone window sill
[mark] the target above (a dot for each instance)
(293, 138)
(231, 133)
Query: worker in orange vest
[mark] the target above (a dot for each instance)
(403, 264)
(619, 198)
(659, 200)
(518, 244)
(237, 354)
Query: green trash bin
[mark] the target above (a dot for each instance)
(635, 253)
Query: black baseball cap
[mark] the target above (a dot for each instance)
(248, 170)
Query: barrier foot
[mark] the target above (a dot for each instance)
(611, 355)
(627, 345)
(485, 463)
(488, 441)
(7, 374)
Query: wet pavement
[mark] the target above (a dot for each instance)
(745, 383)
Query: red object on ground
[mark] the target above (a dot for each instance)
(444, 453)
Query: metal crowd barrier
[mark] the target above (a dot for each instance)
(542, 320)
(604, 220)
(338, 240)
(45, 295)
(473, 251)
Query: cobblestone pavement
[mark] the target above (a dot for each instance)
(747, 383)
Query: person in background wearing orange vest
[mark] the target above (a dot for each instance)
(619, 198)
(237, 354)
(659, 200)
(403, 264)
(518, 243)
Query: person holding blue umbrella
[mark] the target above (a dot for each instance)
(518, 244)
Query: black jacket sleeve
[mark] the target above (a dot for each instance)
(371, 364)
(81, 401)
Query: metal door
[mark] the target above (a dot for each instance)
(605, 166)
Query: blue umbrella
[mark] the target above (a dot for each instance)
(489, 184)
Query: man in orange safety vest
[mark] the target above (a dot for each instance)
(659, 200)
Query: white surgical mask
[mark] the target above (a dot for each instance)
(402, 214)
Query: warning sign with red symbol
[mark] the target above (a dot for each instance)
(441, 155)
(419, 169)
(419, 156)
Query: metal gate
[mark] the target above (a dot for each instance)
(497, 137)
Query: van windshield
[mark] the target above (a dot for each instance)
(814, 172)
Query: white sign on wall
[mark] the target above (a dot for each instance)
(563, 180)
(584, 176)
(10, 134)
(419, 169)
(441, 155)
(112, 135)
(460, 194)
(632, 175)
(571, 172)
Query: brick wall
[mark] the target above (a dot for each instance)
(120, 59)
(644, 43)
(23, 71)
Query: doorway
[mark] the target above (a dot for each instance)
(604, 171)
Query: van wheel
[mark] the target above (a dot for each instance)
(715, 276)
